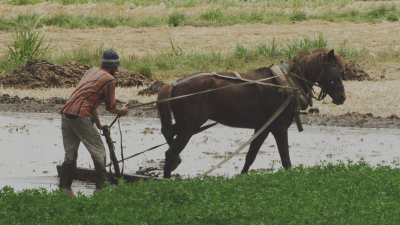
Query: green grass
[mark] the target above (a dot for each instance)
(378, 14)
(28, 44)
(342, 194)
(176, 61)
(74, 22)
(191, 3)
(176, 19)
(212, 17)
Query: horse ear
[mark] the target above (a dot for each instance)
(331, 55)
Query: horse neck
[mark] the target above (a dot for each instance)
(304, 76)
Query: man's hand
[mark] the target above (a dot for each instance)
(123, 111)
(99, 126)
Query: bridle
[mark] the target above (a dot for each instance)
(310, 85)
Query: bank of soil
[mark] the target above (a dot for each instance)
(43, 74)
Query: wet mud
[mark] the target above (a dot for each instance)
(32, 147)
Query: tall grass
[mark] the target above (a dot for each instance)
(177, 61)
(192, 3)
(176, 19)
(331, 194)
(304, 45)
(28, 44)
(218, 16)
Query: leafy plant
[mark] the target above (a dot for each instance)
(176, 19)
(305, 45)
(28, 45)
(145, 70)
(392, 17)
(23, 2)
(241, 52)
(298, 16)
(213, 15)
(328, 194)
(269, 50)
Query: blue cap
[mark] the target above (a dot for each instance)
(110, 56)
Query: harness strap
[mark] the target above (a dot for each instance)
(302, 101)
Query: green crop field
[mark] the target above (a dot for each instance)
(341, 194)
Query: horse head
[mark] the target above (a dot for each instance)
(325, 69)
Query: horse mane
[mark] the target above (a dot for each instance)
(308, 64)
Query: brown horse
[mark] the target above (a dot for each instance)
(246, 106)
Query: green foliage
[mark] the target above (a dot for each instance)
(380, 12)
(145, 69)
(74, 22)
(298, 16)
(350, 53)
(213, 16)
(392, 18)
(305, 45)
(192, 3)
(354, 194)
(217, 15)
(176, 19)
(87, 55)
(269, 50)
(27, 45)
(176, 61)
(241, 52)
(23, 2)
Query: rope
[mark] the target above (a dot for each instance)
(159, 145)
(137, 154)
(246, 82)
(258, 133)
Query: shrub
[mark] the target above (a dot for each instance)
(27, 45)
(176, 19)
(298, 16)
(213, 15)
(23, 2)
(392, 17)
(269, 50)
(241, 52)
(145, 70)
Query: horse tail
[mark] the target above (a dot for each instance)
(165, 113)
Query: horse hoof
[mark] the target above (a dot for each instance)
(167, 175)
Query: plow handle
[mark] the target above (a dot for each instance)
(111, 148)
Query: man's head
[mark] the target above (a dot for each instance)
(110, 61)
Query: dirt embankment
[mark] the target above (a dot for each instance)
(353, 71)
(42, 74)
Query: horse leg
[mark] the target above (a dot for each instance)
(281, 138)
(172, 158)
(254, 147)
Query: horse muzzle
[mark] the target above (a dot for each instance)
(339, 100)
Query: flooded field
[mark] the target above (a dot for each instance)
(32, 147)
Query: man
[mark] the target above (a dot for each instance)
(79, 115)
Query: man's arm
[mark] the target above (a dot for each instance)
(111, 103)
(97, 120)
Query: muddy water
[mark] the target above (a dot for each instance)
(31, 147)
